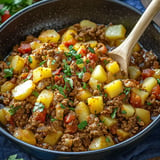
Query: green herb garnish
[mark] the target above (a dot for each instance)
(8, 73)
(87, 61)
(149, 103)
(80, 74)
(138, 118)
(91, 49)
(91, 69)
(30, 59)
(35, 93)
(113, 114)
(108, 140)
(127, 90)
(158, 81)
(98, 87)
(123, 112)
(14, 157)
(69, 80)
(13, 110)
(67, 69)
(105, 95)
(53, 119)
(105, 62)
(71, 108)
(62, 106)
(79, 61)
(84, 85)
(53, 62)
(38, 107)
(82, 125)
(43, 62)
(60, 89)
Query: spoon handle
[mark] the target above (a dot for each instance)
(140, 27)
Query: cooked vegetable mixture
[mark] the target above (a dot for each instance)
(62, 91)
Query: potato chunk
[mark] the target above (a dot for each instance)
(45, 97)
(93, 83)
(108, 121)
(69, 35)
(149, 83)
(41, 73)
(134, 72)
(114, 88)
(87, 23)
(113, 67)
(95, 104)
(115, 32)
(144, 115)
(34, 63)
(83, 94)
(2, 117)
(59, 112)
(99, 74)
(82, 111)
(23, 90)
(122, 134)
(17, 63)
(35, 45)
(127, 110)
(7, 86)
(52, 138)
(25, 135)
(157, 73)
(49, 36)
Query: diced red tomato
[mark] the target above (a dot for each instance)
(5, 16)
(24, 48)
(41, 116)
(70, 117)
(83, 51)
(57, 78)
(147, 73)
(102, 49)
(70, 42)
(57, 72)
(135, 100)
(92, 56)
(156, 91)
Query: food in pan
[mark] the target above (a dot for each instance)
(62, 91)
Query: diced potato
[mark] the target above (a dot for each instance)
(68, 35)
(35, 45)
(134, 72)
(93, 83)
(59, 112)
(123, 134)
(110, 77)
(98, 143)
(149, 83)
(99, 74)
(82, 111)
(2, 117)
(108, 121)
(77, 46)
(52, 138)
(141, 93)
(49, 36)
(87, 23)
(51, 63)
(113, 67)
(95, 104)
(83, 94)
(109, 141)
(92, 43)
(144, 115)
(41, 73)
(35, 62)
(136, 48)
(157, 73)
(45, 97)
(25, 135)
(118, 42)
(9, 58)
(7, 86)
(114, 88)
(62, 47)
(23, 90)
(17, 64)
(127, 110)
(115, 32)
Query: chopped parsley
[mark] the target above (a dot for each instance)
(25, 79)
(108, 140)
(80, 74)
(62, 106)
(53, 119)
(30, 59)
(71, 108)
(35, 93)
(69, 80)
(43, 62)
(91, 69)
(67, 69)
(8, 73)
(105, 95)
(138, 118)
(13, 110)
(158, 80)
(113, 114)
(98, 87)
(84, 85)
(8, 63)
(38, 107)
(149, 103)
(91, 49)
(87, 61)
(14, 157)
(123, 112)
(60, 89)
(84, 69)
(82, 125)
(79, 61)
(48, 87)
(53, 62)
(105, 62)
(127, 90)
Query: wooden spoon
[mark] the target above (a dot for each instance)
(123, 52)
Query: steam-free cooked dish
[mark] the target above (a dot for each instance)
(62, 91)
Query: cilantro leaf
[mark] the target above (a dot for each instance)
(35, 93)
(84, 85)
(113, 114)
(53, 62)
(91, 49)
(43, 62)
(127, 90)
(79, 61)
(8, 72)
(123, 112)
(60, 89)
(38, 107)
(82, 125)
(14, 157)
(158, 80)
(69, 80)
(30, 59)
(13, 110)
(62, 106)
(108, 140)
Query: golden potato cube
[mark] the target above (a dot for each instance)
(136, 48)
(141, 93)
(123, 134)
(92, 44)
(134, 72)
(149, 83)
(49, 36)
(108, 121)
(17, 63)
(157, 73)
(68, 35)
(110, 77)
(128, 110)
(115, 32)
(59, 112)
(41, 73)
(62, 47)
(45, 97)
(23, 90)
(109, 141)
(98, 143)
(113, 67)
(144, 115)
(35, 45)
(99, 74)
(52, 138)
(87, 23)
(2, 117)
(25, 135)
(118, 42)
(7, 86)
(35, 62)
(114, 88)
(51, 63)
(77, 46)
(83, 94)
(93, 83)
(95, 104)
(82, 111)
